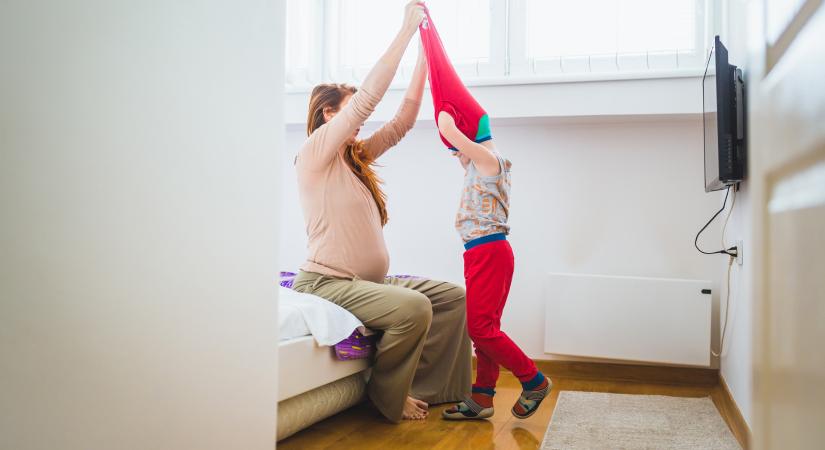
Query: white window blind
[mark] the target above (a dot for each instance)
(593, 27)
(562, 36)
(303, 39)
(365, 29)
(340, 40)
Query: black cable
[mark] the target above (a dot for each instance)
(696, 241)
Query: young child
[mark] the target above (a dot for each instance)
(482, 223)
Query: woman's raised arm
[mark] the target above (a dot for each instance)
(391, 132)
(329, 139)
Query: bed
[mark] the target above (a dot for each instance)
(309, 396)
(314, 383)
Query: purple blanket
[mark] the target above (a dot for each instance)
(356, 346)
(287, 278)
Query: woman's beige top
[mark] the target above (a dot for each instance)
(342, 220)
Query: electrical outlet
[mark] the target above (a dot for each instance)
(739, 251)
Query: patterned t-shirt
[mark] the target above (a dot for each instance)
(485, 202)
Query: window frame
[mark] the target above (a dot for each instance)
(494, 67)
(508, 63)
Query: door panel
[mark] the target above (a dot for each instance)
(788, 151)
(796, 308)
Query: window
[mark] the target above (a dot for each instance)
(562, 36)
(302, 43)
(492, 39)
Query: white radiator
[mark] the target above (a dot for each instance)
(629, 318)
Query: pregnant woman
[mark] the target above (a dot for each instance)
(423, 355)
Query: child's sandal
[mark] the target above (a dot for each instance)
(467, 409)
(530, 401)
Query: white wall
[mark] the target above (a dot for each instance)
(601, 196)
(737, 358)
(138, 189)
(736, 361)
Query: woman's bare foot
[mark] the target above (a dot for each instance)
(420, 403)
(414, 409)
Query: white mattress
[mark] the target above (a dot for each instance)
(303, 365)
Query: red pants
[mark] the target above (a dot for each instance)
(488, 272)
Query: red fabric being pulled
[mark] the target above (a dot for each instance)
(448, 91)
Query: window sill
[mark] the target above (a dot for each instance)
(585, 77)
(549, 78)
(672, 92)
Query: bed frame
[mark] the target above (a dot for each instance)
(313, 384)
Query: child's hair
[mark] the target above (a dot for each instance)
(329, 96)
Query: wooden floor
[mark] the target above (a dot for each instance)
(363, 428)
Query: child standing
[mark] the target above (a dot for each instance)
(482, 223)
(488, 271)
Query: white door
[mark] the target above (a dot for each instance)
(787, 145)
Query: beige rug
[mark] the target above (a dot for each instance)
(593, 420)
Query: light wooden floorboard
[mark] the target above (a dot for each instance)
(363, 428)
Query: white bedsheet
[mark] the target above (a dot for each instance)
(305, 314)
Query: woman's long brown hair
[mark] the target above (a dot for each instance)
(330, 96)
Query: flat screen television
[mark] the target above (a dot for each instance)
(723, 117)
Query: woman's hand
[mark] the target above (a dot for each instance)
(413, 15)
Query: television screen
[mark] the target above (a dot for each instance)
(723, 117)
(710, 121)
